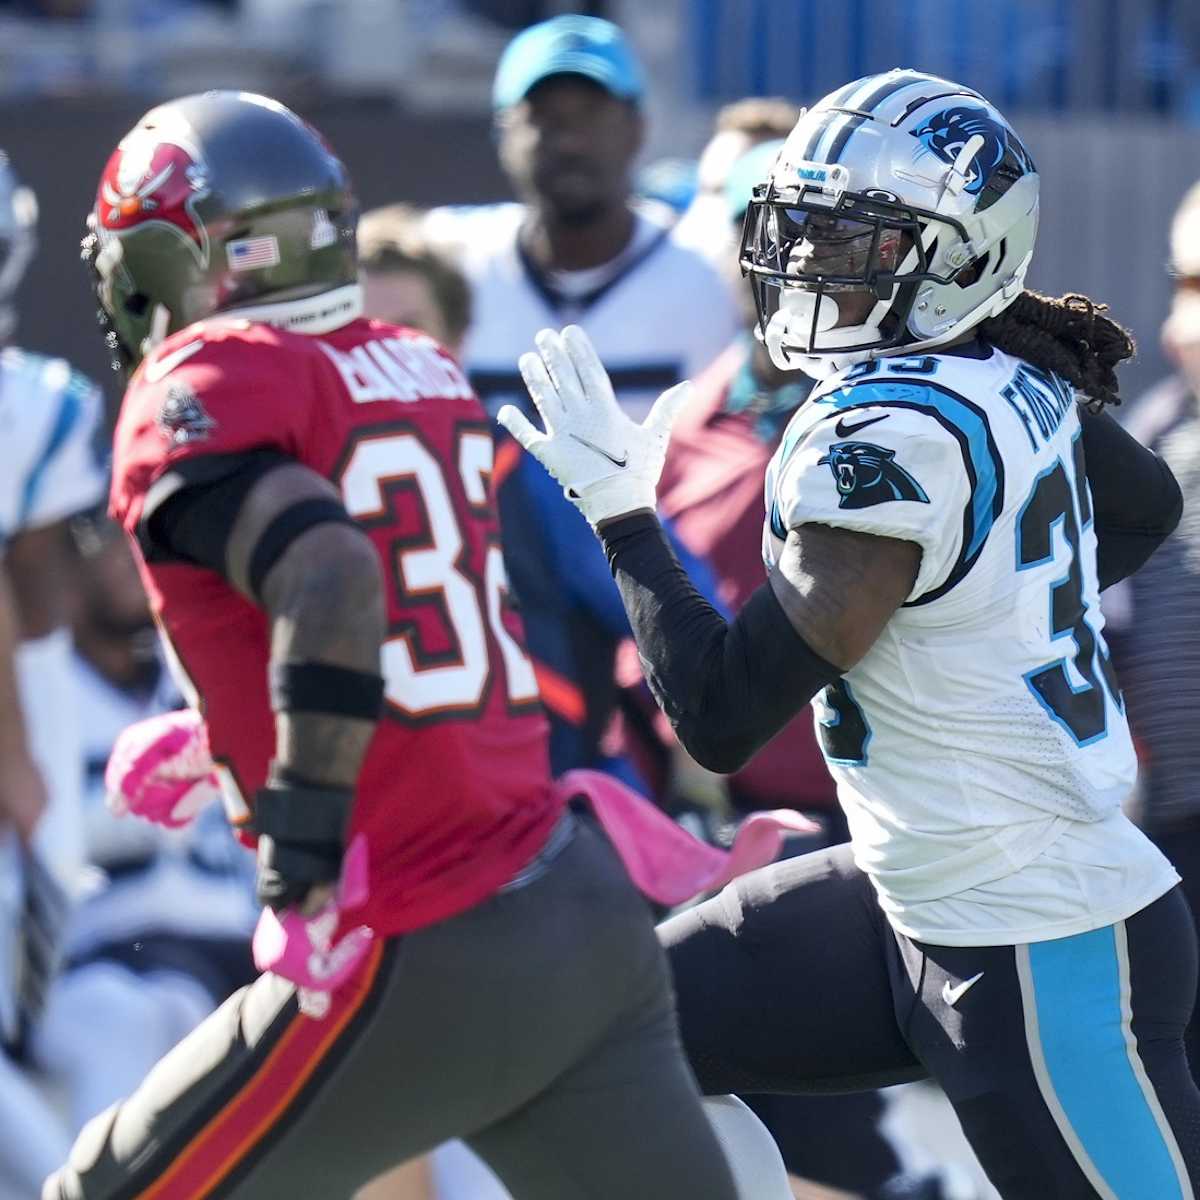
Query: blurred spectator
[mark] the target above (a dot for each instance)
(577, 249)
(407, 282)
(1159, 651)
(739, 126)
(161, 935)
(48, 471)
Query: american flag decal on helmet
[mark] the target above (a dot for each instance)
(249, 254)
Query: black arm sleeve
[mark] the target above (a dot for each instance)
(190, 510)
(1136, 499)
(726, 688)
(189, 515)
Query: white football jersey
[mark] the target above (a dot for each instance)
(49, 417)
(49, 470)
(657, 314)
(981, 746)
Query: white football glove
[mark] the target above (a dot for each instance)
(607, 464)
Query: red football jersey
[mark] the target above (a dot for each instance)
(455, 793)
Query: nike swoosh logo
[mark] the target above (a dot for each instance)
(160, 368)
(844, 430)
(616, 462)
(952, 995)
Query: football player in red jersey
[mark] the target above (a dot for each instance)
(309, 494)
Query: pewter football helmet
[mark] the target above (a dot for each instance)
(901, 211)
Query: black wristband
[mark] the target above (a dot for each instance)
(317, 687)
(299, 518)
(298, 814)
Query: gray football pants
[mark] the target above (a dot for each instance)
(539, 1026)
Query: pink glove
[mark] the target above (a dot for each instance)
(301, 949)
(161, 770)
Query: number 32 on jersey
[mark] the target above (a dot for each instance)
(433, 569)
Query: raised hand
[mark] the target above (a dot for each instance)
(607, 463)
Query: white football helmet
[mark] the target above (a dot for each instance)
(901, 212)
(18, 240)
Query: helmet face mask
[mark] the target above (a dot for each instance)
(862, 252)
(899, 213)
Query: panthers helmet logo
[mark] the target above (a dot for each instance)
(866, 474)
(947, 132)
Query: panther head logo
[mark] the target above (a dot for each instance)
(947, 132)
(866, 474)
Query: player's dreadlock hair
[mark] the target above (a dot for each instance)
(1067, 335)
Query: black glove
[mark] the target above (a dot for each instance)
(301, 836)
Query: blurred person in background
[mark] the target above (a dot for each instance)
(49, 415)
(576, 247)
(737, 128)
(161, 934)
(1160, 644)
(711, 489)
(406, 281)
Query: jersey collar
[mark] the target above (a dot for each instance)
(321, 313)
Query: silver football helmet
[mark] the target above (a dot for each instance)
(901, 211)
(18, 241)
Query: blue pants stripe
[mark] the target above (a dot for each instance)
(1077, 1000)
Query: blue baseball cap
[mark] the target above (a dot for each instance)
(569, 45)
(747, 173)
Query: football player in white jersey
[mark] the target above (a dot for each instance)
(941, 517)
(48, 416)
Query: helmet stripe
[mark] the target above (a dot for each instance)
(869, 104)
(853, 96)
(827, 118)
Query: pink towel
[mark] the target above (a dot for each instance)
(666, 862)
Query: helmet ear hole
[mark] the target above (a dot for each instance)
(972, 272)
(1000, 254)
(137, 304)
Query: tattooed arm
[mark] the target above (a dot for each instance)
(324, 597)
(278, 533)
(728, 688)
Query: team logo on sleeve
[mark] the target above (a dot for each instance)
(866, 474)
(182, 418)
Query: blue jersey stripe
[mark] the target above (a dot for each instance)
(969, 425)
(70, 410)
(1084, 1039)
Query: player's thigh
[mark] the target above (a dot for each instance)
(626, 1120)
(782, 982)
(1064, 1059)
